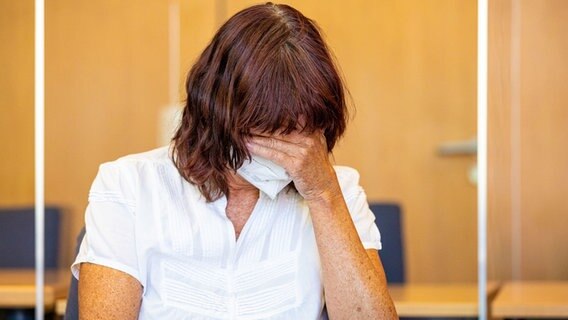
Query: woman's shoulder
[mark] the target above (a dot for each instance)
(137, 161)
(160, 154)
(348, 180)
(346, 173)
(125, 172)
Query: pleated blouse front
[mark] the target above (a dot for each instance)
(144, 219)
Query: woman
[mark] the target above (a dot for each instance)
(243, 217)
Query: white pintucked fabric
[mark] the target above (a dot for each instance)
(144, 219)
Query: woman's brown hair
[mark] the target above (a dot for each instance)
(265, 68)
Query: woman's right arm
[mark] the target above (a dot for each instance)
(106, 293)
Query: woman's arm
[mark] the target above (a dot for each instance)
(106, 293)
(353, 278)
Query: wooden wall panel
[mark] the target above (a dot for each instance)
(499, 142)
(16, 102)
(199, 22)
(106, 79)
(544, 139)
(528, 137)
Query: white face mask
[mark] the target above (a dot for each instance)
(264, 174)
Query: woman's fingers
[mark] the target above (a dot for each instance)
(288, 147)
(268, 152)
(291, 154)
(291, 141)
(304, 156)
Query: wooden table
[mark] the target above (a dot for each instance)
(60, 307)
(438, 300)
(17, 287)
(420, 300)
(532, 299)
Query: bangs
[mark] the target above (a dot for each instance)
(292, 92)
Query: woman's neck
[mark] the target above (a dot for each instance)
(239, 188)
(241, 201)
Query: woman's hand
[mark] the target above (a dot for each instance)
(305, 158)
(353, 279)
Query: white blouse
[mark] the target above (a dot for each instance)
(144, 219)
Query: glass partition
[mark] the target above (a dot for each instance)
(109, 92)
(16, 158)
(527, 158)
(114, 73)
(106, 82)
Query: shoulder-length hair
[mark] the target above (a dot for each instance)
(266, 68)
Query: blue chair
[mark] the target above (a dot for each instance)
(17, 245)
(72, 308)
(17, 241)
(388, 219)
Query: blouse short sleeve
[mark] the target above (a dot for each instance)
(110, 222)
(356, 201)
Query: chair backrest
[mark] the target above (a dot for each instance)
(17, 240)
(72, 308)
(388, 219)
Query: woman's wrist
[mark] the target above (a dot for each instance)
(327, 197)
